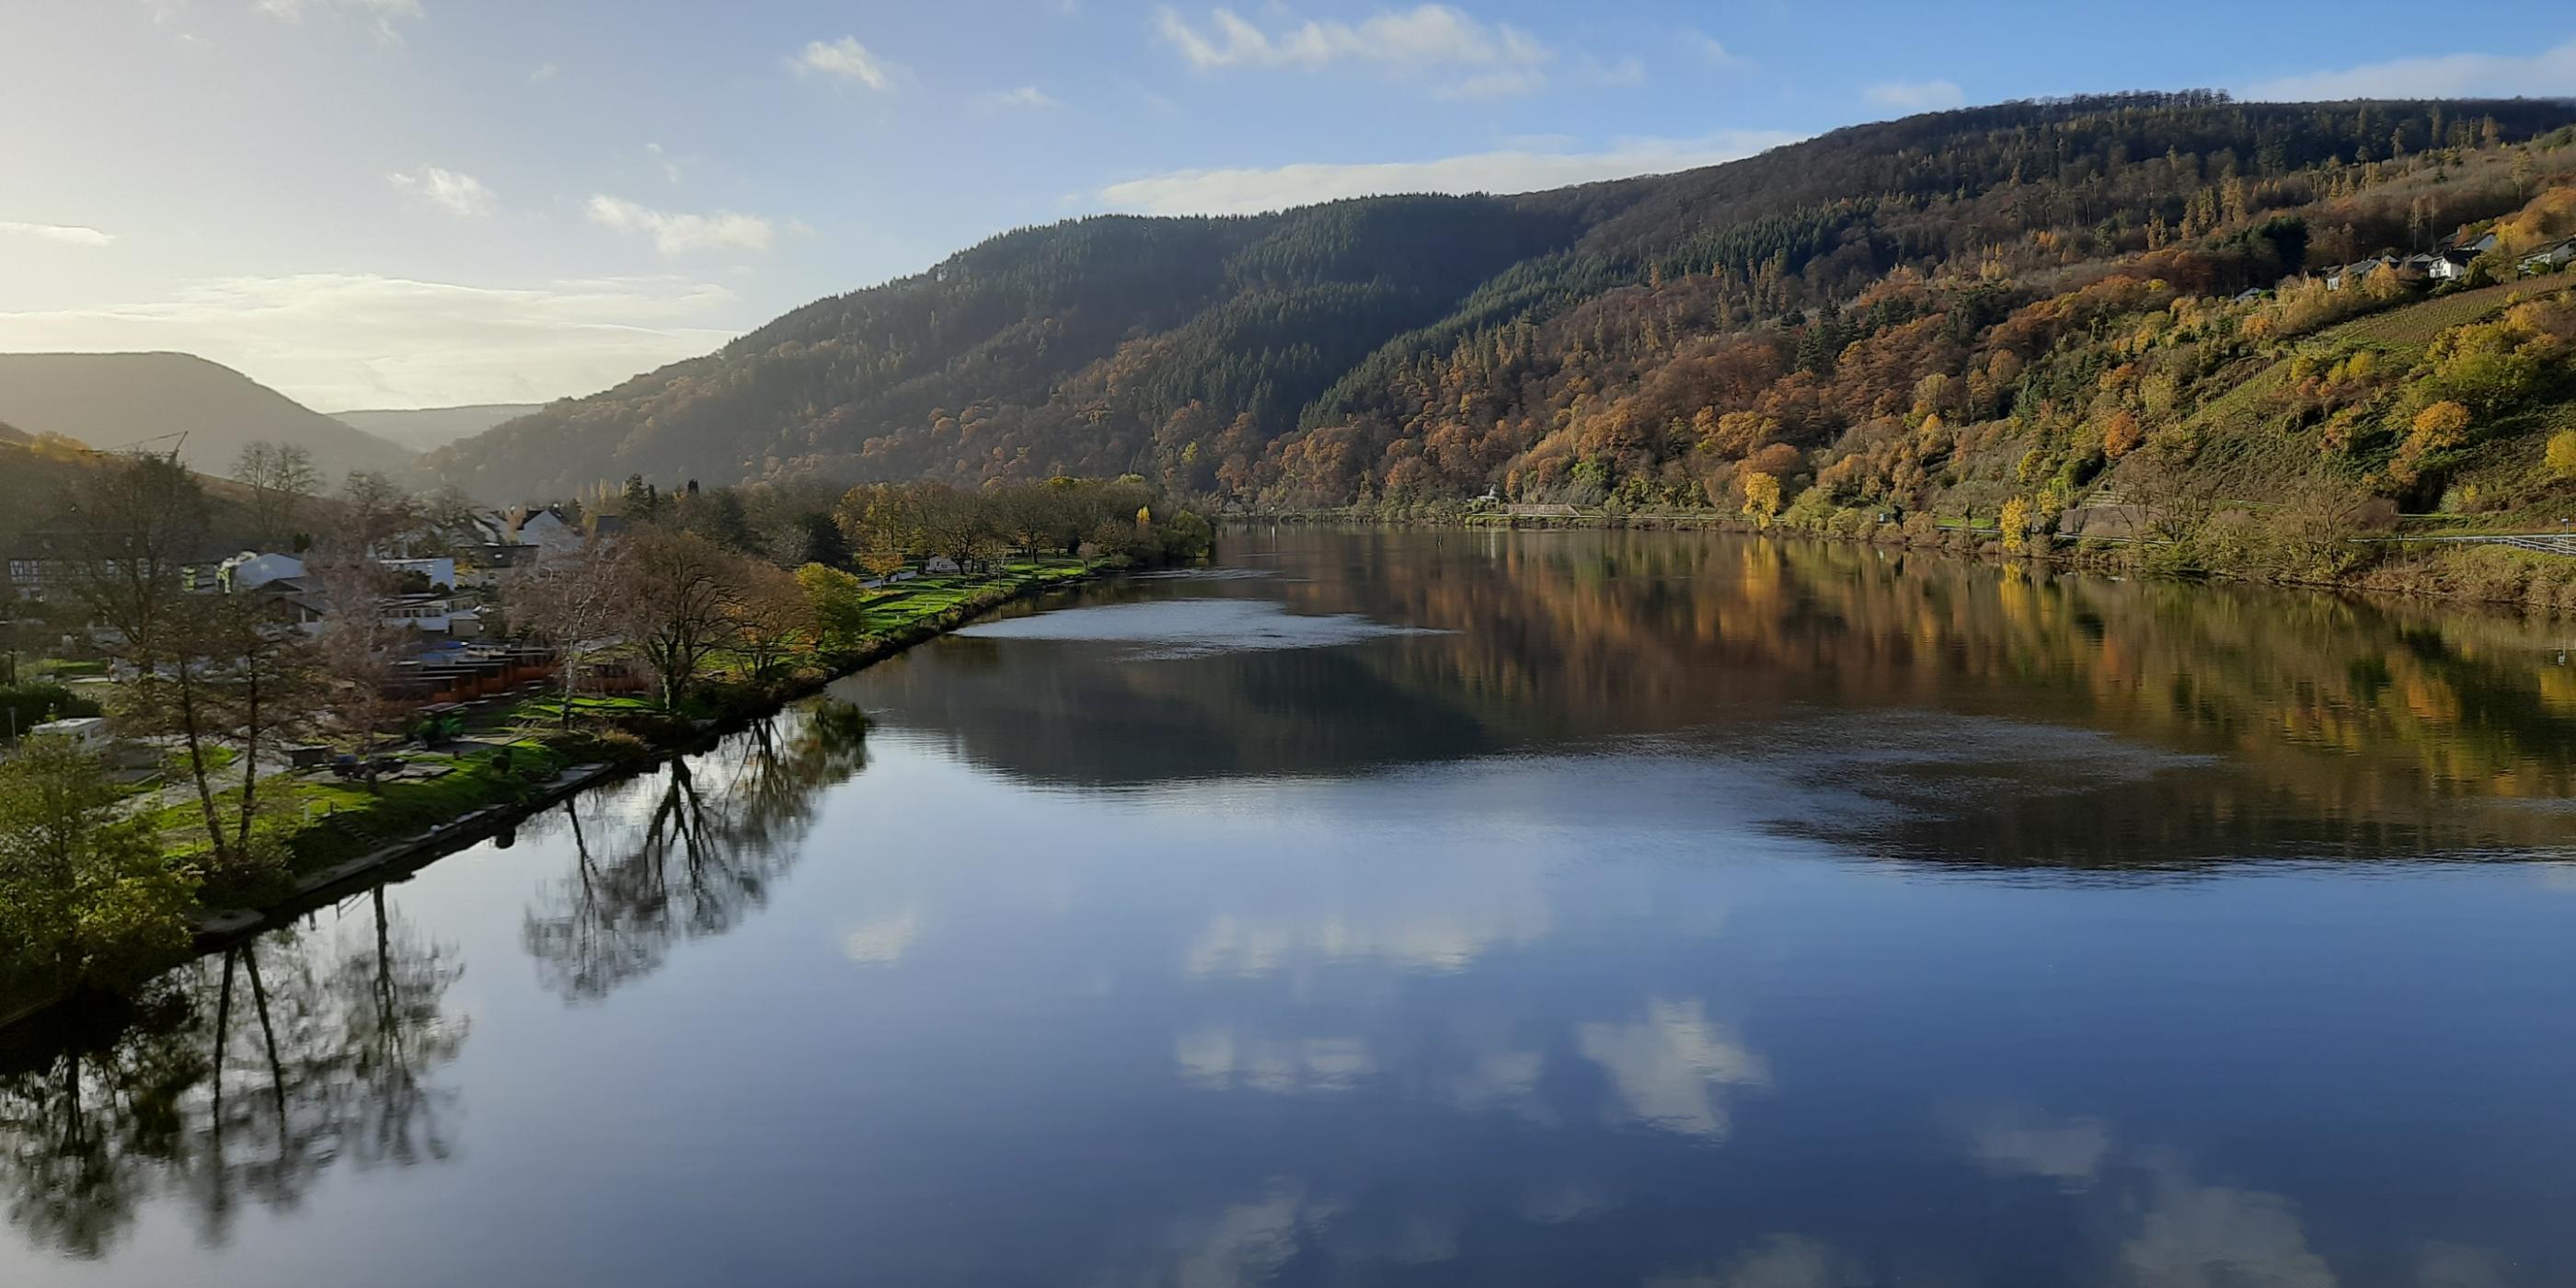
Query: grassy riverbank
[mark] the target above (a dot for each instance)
(522, 752)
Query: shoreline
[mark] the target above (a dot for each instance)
(2065, 553)
(219, 928)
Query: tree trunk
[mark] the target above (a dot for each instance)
(195, 742)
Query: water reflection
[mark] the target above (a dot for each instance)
(1965, 712)
(241, 1079)
(689, 853)
(1612, 910)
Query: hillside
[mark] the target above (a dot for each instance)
(429, 428)
(39, 480)
(113, 400)
(1558, 344)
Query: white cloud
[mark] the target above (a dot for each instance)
(1249, 190)
(63, 234)
(1781, 1261)
(2245, 1236)
(1710, 51)
(461, 195)
(678, 234)
(544, 72)
(2069, 1153)
(1218, 1059)
(1468, 57)
(2547, 74)
(847, 59)
(1669, 1067)
(662, 157)
(1024, 96)
(883, 941)
(1915, 96)
(359, 340)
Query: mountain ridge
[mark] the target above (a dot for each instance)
(116, 400)
(1230, 355)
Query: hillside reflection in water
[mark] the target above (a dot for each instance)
(1436, 908)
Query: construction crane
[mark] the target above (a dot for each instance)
(182, 436)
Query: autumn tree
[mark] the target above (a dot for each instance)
(771, 615)
(2560, 456)
(837, 602)
(1761, 498)
(2439, 427)
(2121, 434)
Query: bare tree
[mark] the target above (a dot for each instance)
(140, 523)
(362, 645)
(377, 514)
(281, 479)
(573, 603)
(679, 590)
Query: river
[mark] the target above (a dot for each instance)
(1437, 908)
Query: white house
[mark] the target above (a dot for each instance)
(87, 732)
(251, 570)
(441, 572)
(2549, 259)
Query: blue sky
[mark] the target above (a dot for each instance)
(419, 202)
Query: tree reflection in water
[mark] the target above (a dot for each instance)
(244, 1078)
(241, 1077)
(691, 858)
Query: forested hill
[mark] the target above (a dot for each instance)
(117, 400)
(1419, 346)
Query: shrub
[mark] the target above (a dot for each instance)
(2561, 456)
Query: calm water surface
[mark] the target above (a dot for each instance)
(1438, 909)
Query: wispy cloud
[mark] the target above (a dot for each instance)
(544, 72)
(461, 195)
(848, 60)
(1249, 190)
(381, 13)
(1915, 96)
(1710, 51)
(1024, 96)
(678, 234)
(1626, 71)
(2549, 73)
(61, 234)
(360, 340)
(1460, 54)
(669, 164)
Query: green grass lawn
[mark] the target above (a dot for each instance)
(321, 820)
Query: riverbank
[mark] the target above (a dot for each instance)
(338, 837)
(2491, 573)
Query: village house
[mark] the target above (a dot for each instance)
(45, 562)
(2549, 259)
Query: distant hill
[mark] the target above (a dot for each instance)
(1561, 344)
(430, 428)
(111, 400)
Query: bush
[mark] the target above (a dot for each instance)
(24, 706)
(85, 895)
